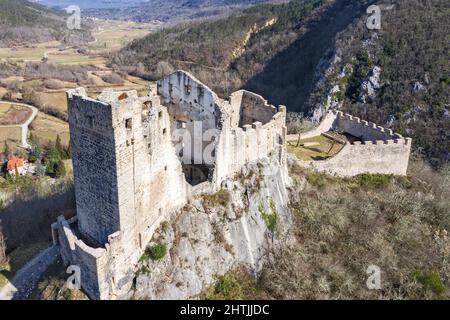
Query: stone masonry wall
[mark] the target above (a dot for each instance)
(366, 131)
(248, 108)
(94, 163)
(385, 157)
(380, 151)
(128, 175)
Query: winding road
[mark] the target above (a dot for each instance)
(24, 126)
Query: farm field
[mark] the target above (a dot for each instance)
(113, 35)
(110, 35)
(11, 115)
(10, 134)
(46, 128)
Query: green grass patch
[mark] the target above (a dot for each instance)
(373, 181)
(156, 252)
(270, 218)
(237, 284)
(430, 282)
(316, 148)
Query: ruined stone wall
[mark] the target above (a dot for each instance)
(248, 108)
(194, 110)
(128, 168)
(105, 273)
(255, 108)
(240, 146)
(328, 123)
(167, 189)
(366, 131)
(135, 164)
(385, 157)
(75, 252)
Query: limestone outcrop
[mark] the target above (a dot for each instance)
(206, 240)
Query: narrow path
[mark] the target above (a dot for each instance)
(23, 126)
(23, 283)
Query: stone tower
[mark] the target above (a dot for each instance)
(106, 142)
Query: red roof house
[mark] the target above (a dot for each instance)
(14, 162)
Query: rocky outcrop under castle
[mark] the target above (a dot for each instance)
(216, 233)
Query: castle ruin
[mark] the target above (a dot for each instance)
(370, 149)
(138, 159)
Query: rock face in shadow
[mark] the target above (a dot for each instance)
(29, 213)
(216, 233)
(288, 78)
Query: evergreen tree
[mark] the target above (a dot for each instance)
(6, 149)
(52, 158)
(59, 147)
(60, 170)
(37, 151)
(52, 153)
(40, 169)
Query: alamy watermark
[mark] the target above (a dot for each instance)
(374, 280)
(374, 20)
(74, 20)
(74, 280)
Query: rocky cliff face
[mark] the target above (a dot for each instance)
(330, 78)
(216, 233)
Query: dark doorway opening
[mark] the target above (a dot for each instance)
(197, 173)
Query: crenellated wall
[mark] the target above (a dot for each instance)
(248, 108)
(379, 151)
(364, 130)
(250, 143)
(385, 157)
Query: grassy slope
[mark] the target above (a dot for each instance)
(344, 225)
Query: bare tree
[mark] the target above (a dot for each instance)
(3, 257)
(296, 124)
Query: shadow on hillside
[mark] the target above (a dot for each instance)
(28, 220)
(288, 78)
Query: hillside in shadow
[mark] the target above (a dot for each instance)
(288, 78)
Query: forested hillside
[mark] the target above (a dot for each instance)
(279, 50)
(224, 53)
(22, 22)
(411, 93)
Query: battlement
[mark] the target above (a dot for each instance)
(373, 148)
(365, 130)
(406, 141)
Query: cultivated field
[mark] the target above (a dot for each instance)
(113, 35)
(13, 114)
(46, 128)
(109, 36)
(49, 95)
(11, 134)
